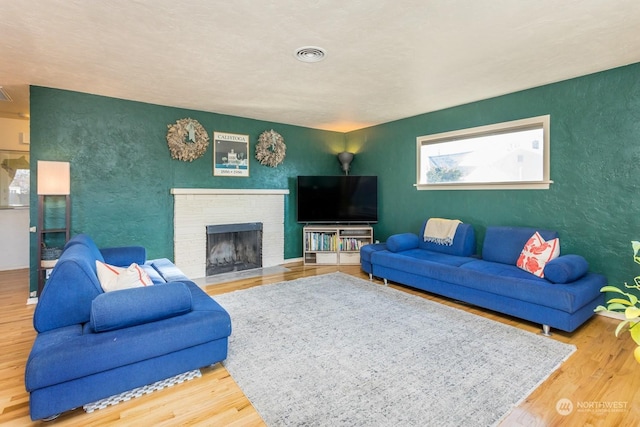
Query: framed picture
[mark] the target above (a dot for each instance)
(14, 178)
(230, 154)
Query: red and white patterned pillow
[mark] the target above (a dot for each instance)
(537, 253)
(114, 278)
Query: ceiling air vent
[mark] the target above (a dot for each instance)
(4, 96)
(310, 54)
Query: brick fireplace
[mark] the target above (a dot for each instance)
(196, 209)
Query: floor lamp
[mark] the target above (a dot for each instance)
(54, 179)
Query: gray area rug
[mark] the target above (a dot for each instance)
(337, 350)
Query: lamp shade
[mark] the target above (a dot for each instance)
(345, 159)
(54, 178)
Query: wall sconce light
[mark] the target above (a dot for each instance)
(54, 178)
(345, 159)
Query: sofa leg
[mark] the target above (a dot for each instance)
(50, 418)
(546, 330)
(385, 282)
(370, 276)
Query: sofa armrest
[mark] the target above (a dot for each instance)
(124, 256)
(402, 242)
(136, 306)
(566, 269)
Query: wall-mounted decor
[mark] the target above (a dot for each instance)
(230, 154)
(187, 140)
(270, 149)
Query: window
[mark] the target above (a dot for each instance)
(510, 155)
(14, 179)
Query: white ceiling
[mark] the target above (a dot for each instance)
(386, 59)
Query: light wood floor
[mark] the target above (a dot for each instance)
(602, 379)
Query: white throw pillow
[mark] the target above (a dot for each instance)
(114, 278)
(537, 253)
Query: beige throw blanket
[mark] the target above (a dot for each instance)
(441, 231)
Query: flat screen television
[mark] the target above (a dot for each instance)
(341, 199)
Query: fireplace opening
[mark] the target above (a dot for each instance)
(233, 247)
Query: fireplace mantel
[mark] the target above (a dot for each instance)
(226, 191)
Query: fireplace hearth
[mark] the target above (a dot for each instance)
(233, 247)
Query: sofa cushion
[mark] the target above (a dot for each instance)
(402, 242)
(114, 278)
(504, 244)
(512, 282)
(419, 261)
(464, 242)
(536, 253)
(125, 255)
(136, 306)
(499, 270)
(566, 269)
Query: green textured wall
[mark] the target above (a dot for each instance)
(595, 149)
(122, 172)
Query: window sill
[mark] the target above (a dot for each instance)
(538, 185)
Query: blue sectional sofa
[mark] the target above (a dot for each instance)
(92, 345)
(564, 299)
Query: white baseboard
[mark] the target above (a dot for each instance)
(32, 301)
(612, 314)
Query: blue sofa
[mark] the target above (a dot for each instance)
(564, 299)
(92, 345)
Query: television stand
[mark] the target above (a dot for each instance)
(335, 244)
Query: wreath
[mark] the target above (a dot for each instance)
(270, 149)
(187, 140)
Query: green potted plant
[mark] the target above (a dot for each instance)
(628, 303)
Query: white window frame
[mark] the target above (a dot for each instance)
(542, 122)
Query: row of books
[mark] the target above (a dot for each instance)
(352, 244)
(331, 242)
(321, 242)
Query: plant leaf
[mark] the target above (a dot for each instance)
(634, 329)
(600, 308)
(610, 288)
(632, 313)
(633, 299)
(635, 245)
(619, 301)
(621, 326)
(616, 307)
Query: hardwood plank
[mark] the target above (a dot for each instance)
(602, 379)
